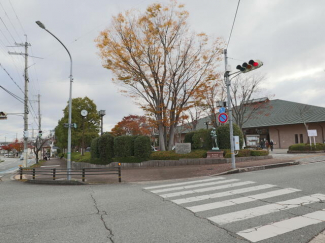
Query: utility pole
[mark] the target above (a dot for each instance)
(39, 113)
(227, 81)
(26, 97)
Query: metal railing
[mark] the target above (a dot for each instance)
(54, 173)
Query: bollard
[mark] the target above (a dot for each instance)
(83, 174)
(53, 174)
(119, 173)
(33, 174)
(21, 173)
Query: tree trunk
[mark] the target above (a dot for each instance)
(171, 137)
(161, 138)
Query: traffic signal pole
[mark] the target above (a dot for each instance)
(227, 82)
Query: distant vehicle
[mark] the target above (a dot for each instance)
(87, 149)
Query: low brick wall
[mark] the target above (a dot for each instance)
(162, 163)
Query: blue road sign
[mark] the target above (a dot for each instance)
(222, 110)
(223, 117)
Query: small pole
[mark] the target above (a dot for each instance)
(54, 174)
(83, 174)
(34, 174)
(119, 173)
(21, 173)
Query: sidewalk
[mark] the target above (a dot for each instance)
(175, 172)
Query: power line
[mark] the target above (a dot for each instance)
(10, 21)
(7, 29)
(17, 18)
(12, 79)
(233, 24)
(13, 95)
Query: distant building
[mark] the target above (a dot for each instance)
(282, 121)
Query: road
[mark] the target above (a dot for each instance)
(10, 165)
(269, 206)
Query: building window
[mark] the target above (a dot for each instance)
(296, 138)
(301, 138)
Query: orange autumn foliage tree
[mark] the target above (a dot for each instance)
(132, 125)
(159, 62)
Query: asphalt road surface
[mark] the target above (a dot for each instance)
(11, 165)
(276, 205)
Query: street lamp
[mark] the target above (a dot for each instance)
(101, 113)
(41, 25)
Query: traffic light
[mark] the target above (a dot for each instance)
(251, 65)
(40, 133)
(3, 115)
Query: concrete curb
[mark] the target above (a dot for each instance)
(57, 182)
(259, 167)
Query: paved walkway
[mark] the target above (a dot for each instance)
(176, 172)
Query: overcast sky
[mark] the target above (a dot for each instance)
(288, 36)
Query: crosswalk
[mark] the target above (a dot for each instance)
(230, 203)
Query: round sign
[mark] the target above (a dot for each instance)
(84, 113)
(222, 110)
(223, 117)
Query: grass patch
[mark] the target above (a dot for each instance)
(77, 157)
(40, 163)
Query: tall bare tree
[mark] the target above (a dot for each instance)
(159, 61)
(243, 90)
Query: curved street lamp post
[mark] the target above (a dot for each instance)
(41, 25)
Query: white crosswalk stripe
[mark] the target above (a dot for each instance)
(213, 188)
(221, 194)
(211, 205)
(240, 200)
(193, 186)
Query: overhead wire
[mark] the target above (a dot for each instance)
(13, 95)
(233, 23)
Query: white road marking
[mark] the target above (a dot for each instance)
(49, 165)
(183, 183)
(221, 194)
(281, 227)
(193, 186)
(213, 188)
(240, 200)
(267, 209)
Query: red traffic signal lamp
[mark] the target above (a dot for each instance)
(250, 66)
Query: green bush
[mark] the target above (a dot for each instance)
(224, 136)
(306, 147)
(202, 139)
(245, 153)
(106, 147)
(142, 147)
(171, 155)
(94, 148)
(77, 157)
(123, 146)
(189, 138)
(259, 152)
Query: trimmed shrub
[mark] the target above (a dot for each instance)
(224, 136)
(123, 146)
(306, 147)
(202, 139)
(259, 153)
(244, 153)
(106, 147)
(94, 149)
(171, 155)
(142, 147)
(189, 138)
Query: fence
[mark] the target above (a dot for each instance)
(61, 173)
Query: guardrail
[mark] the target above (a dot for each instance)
(54, 173)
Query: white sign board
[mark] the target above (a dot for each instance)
(312, 133)
(236, 142)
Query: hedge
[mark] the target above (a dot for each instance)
(245, 153)
(171, 155)
(94, 149)
(224, 136)
(123, 146)
(106, 147)
(306, 147)
(142, 147)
